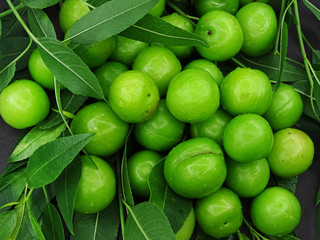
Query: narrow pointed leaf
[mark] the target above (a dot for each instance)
(126, 188)
(312, 8)
(8, 180)
(316, 60)
(37, 202)
(287, 183)
(66, 188)
(12, 185)
(52, 227)
(39, 4)
(152, 29)
(47, 163)
(8, 221)
(269, 64)
(146, 221)
(40, 24)
(11, 27)
(24, 228)
(6, 76)
(33, 140)
(97, 3)
(68, 68)
(70, 103)
(103, 225)
(10, 167)
(11, 48)
(35, 225)
(176, 208)
(109, 19)
(309, 125)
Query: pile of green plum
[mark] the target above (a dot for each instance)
(219, 135)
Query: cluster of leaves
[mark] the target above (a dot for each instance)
(39, 183)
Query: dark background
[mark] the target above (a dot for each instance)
(308, 182)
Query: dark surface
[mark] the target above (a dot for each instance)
(308, 182)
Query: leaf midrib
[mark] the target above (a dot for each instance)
(50, 160)
(40, 26)
(67, 67)
(109, 19)
(166, 35)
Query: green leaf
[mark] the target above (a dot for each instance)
(68, 68)
(269, 64)
(109, 19)
(52, 227)
(316, 59)
(37, 202)
(40, 24)
(307, 108)
(146, 221)
(152, 29)
(308, 124)
(8, 222)
(39, 4)
(312, 8)
(283, 53)
(176, 208)
(11, 27)
(287, 183)
(126, 188)
(33, 140)
(11, 187)
(35, 225)
(66, 188)
(10, 167)
(11, 48)
(24, 230)
(316, 90)
(70, 103)
(48, 161)
(6, 76)
(242, 236)
(96, 3)
(103, 225)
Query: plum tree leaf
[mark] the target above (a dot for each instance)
(11, 48)
(33, 140)
(52, 227)
(40, 24)
(11, 187)
(66, 187)
(152, 29)
(68, 68)
(147, 221)
(48, 161)
(8, 222)
(269, 64)
(109, 19)
(6, 76)
(312, 8)
(35, 225)
(176, 208)
(39, 4)
(103, 225)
